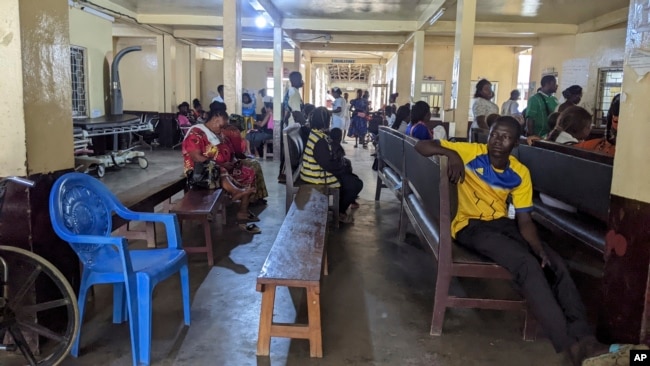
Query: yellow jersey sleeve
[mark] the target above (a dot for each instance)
(522, 195)
(467, 151)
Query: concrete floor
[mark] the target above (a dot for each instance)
(376, 302)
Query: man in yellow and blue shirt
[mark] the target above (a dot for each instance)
(487, 176)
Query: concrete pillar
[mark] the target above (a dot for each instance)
(625, 311)
(232, 63)
(418, 65)
(169, 72)
(307, 89)
(36, 138)
(462, 69)
(297, 59)
(278, 93)
(194, 74)
(160, 55)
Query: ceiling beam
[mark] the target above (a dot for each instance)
(128, 31)
(259, 44)
(604, 21)
(349, 25)
(429, 12)
(198, 34)
(483, 41)
(108, 4)
(347, 38)
(348, 47)
(357, 61)
(507, 28)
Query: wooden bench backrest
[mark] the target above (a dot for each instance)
(577, 181)
(391, 149)
(427, 195)
(293, 149)
(479, 135)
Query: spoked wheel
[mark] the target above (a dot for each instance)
(101, 170)
(53, 317)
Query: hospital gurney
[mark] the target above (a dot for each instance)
(85, 129)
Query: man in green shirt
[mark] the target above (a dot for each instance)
(540, 106)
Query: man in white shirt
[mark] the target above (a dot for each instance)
(293, 101)
(510, 107)
(219, 98)
(338, 119)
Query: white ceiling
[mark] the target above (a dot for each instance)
(334, 28)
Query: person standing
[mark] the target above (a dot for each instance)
(483, 105)
(573, 95)
(540, 106)
(338, 109)
(346, 117)
(292, 113)
(219, 98)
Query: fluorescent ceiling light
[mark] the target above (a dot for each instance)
(97, 13)
(437, 16)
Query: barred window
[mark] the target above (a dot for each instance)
(79, 82)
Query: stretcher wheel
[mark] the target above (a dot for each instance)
(101, 171)
(143, 162)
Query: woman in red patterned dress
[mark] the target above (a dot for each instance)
(206, 141)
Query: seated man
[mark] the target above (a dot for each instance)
(487, 175)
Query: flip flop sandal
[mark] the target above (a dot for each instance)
(250, 228)
(252, 217)
(346, 219)
(619, 354)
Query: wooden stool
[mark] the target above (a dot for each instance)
(199, 205)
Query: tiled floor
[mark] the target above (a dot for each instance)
(376, 302)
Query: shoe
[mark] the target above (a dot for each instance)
(282, 179)
(355, 145)
(346, 219)
(344, 142)
(250, 228)
(354, 205)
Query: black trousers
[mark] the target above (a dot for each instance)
(550, 292)
(351, 185)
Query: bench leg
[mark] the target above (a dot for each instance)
(325, 270)
(151, 234)
(530, 326)
(335, 204)
(315, 334)
(440, 301)
(378, 189)
(266, 320)
(207, 230)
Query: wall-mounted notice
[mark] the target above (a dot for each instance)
(574, 72)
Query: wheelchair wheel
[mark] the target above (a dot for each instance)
(55, 306)
(143, 162)
(101, 170)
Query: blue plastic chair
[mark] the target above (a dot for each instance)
(80, 209)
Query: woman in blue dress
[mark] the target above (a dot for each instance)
(359, 126)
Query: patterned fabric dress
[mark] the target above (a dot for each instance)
(218, 148)
(359, 125)
(232, 133)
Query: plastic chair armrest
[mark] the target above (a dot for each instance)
(169, 220)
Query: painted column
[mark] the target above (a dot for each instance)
(297, 59)
(37, 137)
(194, 74)
(232, 63)
(278, 93)
(307, 77)
(462, 68)
(169, 72)
(625, 312)
(418, 65)
(160, 55)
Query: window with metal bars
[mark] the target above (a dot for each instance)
(79, 82)
(610, 81)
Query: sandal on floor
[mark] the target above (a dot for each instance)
(250, 218)
(619, 354)
(346, 219)
(354, 205)
(250, 228)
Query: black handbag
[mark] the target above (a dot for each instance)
(204, 176)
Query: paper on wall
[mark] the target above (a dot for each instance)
(639, 61)
(575, 72)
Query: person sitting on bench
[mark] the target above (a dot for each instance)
(318, 166)
(487, 175)
(606, 144)
(573, 126)
(206, 141)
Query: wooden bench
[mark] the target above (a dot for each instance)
(390, 161)
(577, 177)
(293, 150)
(428, 200)
(200, 205)
(296, 259)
